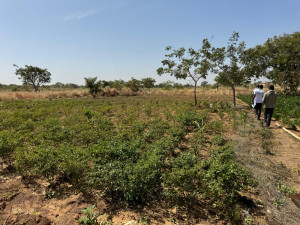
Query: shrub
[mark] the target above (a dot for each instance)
(182, 180)
(94, 87)
(218, 140)
(223, 179)
(8, 143)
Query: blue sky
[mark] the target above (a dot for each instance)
(120, 39)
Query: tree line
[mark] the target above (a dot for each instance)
(277, 59)
(135, 84)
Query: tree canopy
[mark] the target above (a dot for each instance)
(230, 63)
(182, 63)
(148, 82)
(33, 75)
(278, 59)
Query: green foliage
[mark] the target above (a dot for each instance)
(49, 194)
(285, 189)
(123, 151)
(148, 82)
(244, 116)
(223, 179)
(8, 143)
(216, 127)
(278, 202)
(91, 217)
(218, 179)
(192, 120)
(182, 182)
(182, 63)
(287, 109)
(133, 84)
(92, 85)
(33, 75)
(218, 140)
(230, 64)
(278, 60)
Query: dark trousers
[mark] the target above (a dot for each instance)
(268, 115)
(257, 110)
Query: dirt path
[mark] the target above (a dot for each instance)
(271, 156)
(287, 148)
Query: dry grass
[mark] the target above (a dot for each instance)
(43, 94)
(107, 91)
(110, 92)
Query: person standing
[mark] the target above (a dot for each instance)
(253, 96)
(269, 101)
(258, 99)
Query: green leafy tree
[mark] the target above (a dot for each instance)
(148, 82)
(178, 85)
(58, 85)
(194, 64)
(204, 84)
(105, 83)
(230, 64)
(118, 84)
(278, 60)
(93, 85)
(167, 85)
(33, 75)
(133, 84)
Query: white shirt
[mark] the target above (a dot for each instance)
(259, 94)
(256, 89)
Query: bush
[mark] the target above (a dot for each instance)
(182, 180)
(8, 144)
(218, 140)
(92, 85)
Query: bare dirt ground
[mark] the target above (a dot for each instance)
(272, 159)
(24, 201)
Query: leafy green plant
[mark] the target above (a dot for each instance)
(285, 189)
(249, 220)
(49, 194)
(218, 140)
(244, 116)
(90, 216)
(278, 202)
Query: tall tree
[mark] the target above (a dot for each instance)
(230, 64)
(33, 75)
(278, 59)
(182, 64)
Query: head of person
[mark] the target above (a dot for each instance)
(271, 87)
(261, 86)
(257, 86)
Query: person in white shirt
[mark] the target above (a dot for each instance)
(253, 95)
(258, 100)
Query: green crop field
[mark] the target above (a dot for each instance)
(130, 148)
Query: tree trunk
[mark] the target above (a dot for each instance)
(36, 88)
(195, 93)
(233, 92)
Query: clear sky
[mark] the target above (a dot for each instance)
(120, 39)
